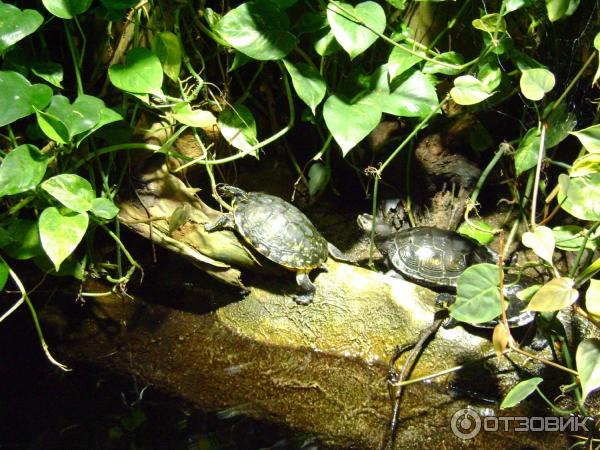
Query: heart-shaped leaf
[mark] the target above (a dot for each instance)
(67, 9)
(53, 127)
(580, 196)
(71, 190)
(556, 294)
(410, 95)
(535, 83)
(183, 113)
(356, 28)
(79, 117)
(26, 239)
(168, 49)
(141, 74)
(238, 127)
(16, 24)
(22, 169)
(400, 61)
(447, 63)
(468, 90)
(104, 208)
(308, 83)
(587, 359)
(60, 234)
(350, 123)
(258, 29)
(541, 241)
(477, 295)
(589, 138)
(592, 298)
(520, 392)
(19, 98)
(48, 71)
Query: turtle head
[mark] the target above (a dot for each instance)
(228, 191)
(382, 229)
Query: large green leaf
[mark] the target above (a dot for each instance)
(71, 190)
(580, 196)
(168, 49)
(104, 208)
(324, 42)
(541, 241)
(526, 155)
(19, 98)
(477, 295)
(16, 24)
(60, 234)
(308, 83)
(48, 71)
(400, 61)
(183, 113)
(535, 83)
(556, 294)
(53, 127)
(257, 29)
(411, 95)
(587, 359)
(26, 239)
(22, 169)
(349, 123)
(356, 28)
(589, 138)
(520, 392)
(441, 62)
(468, 90)
(79, 117)
(571, 238)
(141, 74)
(592, 298)
(238, 127)
(67, 9)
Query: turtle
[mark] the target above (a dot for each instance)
(435, 258)
(278, 231)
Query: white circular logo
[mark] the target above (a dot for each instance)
(466, 423)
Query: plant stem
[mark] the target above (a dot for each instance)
(74, 57)
(538, 170)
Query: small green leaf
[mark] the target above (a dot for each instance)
(587, 359)
(324, 42)
(318, 178)
(556, 9)
(400, 61)
(22, 169)
(477, 295)
(513, 5)
(168, 49)
(60, 234)
(526, 155)
(520, 392)
(70, 267)
(238, 127)
(308, 83)
(556, 294)
(107, 116)
(104, 208)
(356, 28)
(482, 233)
(52, 127)
(560, 123)
(257, 29)
(453, 58)
(468, 90)
(141, 74)
(183, 113)
(592, 298)
(571, 238)
(490, 75)
(3, 274)
(19, 98)
(585, 165)
(79, 117)
(580, 196)
(490, 24)
(541, 241)
(16, 24)
(589, 138)
(535, 83)
(67, 9)
(26, 239)
(71, 190)
(48, 71)
(350, 123)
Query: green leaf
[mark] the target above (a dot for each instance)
(400, 61)
(556, 294)
(453, 58)
(490, 75)
(257, 29)
(183, 113)
(26, 239)
(168, 49)
(513, 5)
(71, 190)
(580, 196)
(325, 43)
(490, 24)
(355, 28)
(60, 234)
(526, 155)
(238, 127)
(477, 295)
(592, 298)
(350, 123)
(104, 208)
(484, 233)
(22, 169)
(589, 138)
(560, 123)
(587, 359)
(308, 83)
(70, 267)
(3, 274)
(19, 98)
(53, 127)
(48, 71)
(141, 74)
(556, 9)
(585, 165)
(411, 95)
(318, 178)
(571, 237)
(67, 9)
(520, 392)
(5, 238)
(107, 116)
(468, 90)
(16, 24)
(535, 83)
(541, 241)
(79, 117)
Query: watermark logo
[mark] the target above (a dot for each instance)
(467, 423)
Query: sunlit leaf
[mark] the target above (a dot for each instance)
(535, 83)
(541, 241)
(491, 24)
(183, 113)
(308, 83)
(168, 49)
(238, 127)
(477, 295)
(585, 165)
(104, 208)
(79, 117)
(400, 61)
(468, 90)
(513, 5)
(19, 98)
(478, 230)
(447, 63)
(71, 190)
(15, 24)
(22, 169)
(589, 138)
(526, 155)
(49, 71)
(141, 74)
(592, 298)
(60, 234)
(571, 238)
(500, 338)
(580, 196)
(556, 9)
(410, 95)
(520, 392)
(556, 294)
(67, 9)
(53, 127)
(587, 359)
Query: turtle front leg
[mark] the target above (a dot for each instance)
(225, 222)
(306, 289)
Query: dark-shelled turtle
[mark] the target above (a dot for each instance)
(279, 231)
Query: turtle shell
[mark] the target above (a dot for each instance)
(433, 256)
(279, 231)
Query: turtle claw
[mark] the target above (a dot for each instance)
(306, 290)
(304, 298)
